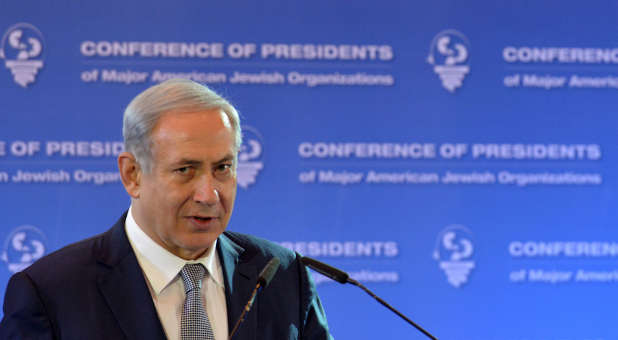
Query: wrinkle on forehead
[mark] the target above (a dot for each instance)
(178, 131)
(172, 123)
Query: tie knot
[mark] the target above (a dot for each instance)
(192, 275)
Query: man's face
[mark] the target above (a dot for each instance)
(185, 202)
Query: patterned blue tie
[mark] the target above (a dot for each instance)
(194, 323)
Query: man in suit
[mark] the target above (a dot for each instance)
(167, 268)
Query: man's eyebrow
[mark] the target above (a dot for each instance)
(225, 159)
(188, 161)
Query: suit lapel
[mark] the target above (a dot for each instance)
(123, 285)
(240, 279)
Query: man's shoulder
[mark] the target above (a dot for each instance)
(79, 256)
(59, 272)
(76, 254)
(254, 246)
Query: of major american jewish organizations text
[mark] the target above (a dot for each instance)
(241, 77)
(513, 178)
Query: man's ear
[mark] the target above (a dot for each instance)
(130, 173)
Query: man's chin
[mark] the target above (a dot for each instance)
(197, 246)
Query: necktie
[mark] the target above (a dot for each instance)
(194, 323)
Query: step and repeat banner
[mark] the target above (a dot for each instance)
(457, 158)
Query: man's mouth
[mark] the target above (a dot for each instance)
(202, 223)
(203, 218)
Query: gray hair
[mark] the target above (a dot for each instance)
(177, 95)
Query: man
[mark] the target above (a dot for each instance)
(167, 269)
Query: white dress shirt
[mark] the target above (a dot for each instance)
(162, 272)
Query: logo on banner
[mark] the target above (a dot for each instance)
(449, 56)
(22, 49)
(22, 247)
(454, 251)
(250, 157)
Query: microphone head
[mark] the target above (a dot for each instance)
(326, 270)
(268, 272)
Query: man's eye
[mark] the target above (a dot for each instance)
(183, 170)
(224, 167)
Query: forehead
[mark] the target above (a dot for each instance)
(200, 133)
(206, 119)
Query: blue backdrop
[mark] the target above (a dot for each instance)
(458, 158)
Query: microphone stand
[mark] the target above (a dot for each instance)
(245, 310)
(343, 277)
(263, 280)
(385, 304)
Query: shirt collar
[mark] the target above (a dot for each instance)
(159, 265)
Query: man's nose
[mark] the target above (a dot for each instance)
(206, 191)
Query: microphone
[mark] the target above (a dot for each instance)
(268, 272)
(343, 277)
(326, 270)
(266, 275)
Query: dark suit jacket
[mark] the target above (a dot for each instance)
(95, 289)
